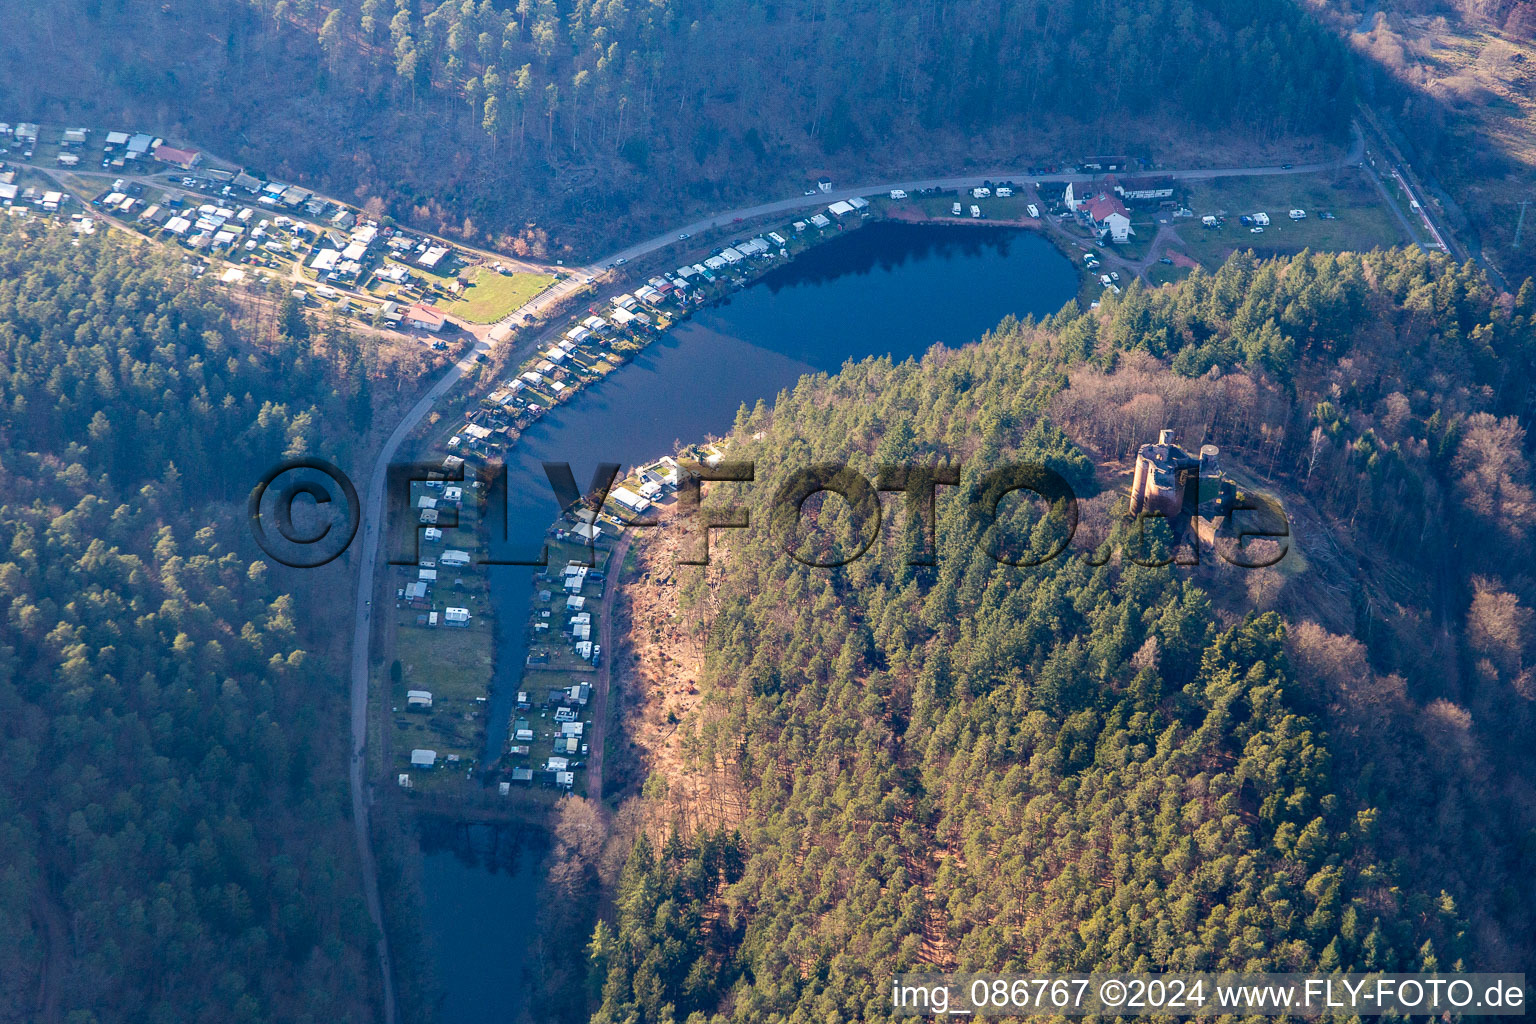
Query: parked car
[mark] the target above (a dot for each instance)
(1165, 259)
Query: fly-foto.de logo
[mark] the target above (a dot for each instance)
(305, 512)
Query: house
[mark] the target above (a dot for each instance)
(456, 616)
(1108, 216)
(325, 261)
(859, 203)
(140, 144)
(115, 139)
(629, 499)
(428, 318)
(1077, 194)
(418, 699)
(186, 159)
(522, 775)
(824, 183)
(432, 257)
(840, 209)
(454, 559)
(575, 603)
(557, 764)
(422, 758)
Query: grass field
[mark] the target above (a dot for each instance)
(1363, 220)
(1160, 273)
(454, 664)
(491, 295)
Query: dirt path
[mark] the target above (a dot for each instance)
(605, 671)
(51, 917)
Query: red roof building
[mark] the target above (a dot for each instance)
(186, 159)
(426, 317)
(1108, 214)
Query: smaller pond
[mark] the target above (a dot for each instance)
(480, 882)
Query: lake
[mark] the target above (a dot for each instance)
(886, 289)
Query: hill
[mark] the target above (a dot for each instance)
(174, 800)
(1455, 84)
(598, 121)
(1095, 764)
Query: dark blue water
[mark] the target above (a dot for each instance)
(886, 289)
(482, 893)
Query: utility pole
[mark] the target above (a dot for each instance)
(1520, 224)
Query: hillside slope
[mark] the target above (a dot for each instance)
(582, 119)
(1068, 767)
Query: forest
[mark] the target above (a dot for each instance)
(174, 804)
(1096, 764)
(594, 120)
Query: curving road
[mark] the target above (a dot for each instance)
(374, 502)
(963, 181)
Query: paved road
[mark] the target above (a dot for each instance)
(964, 181)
